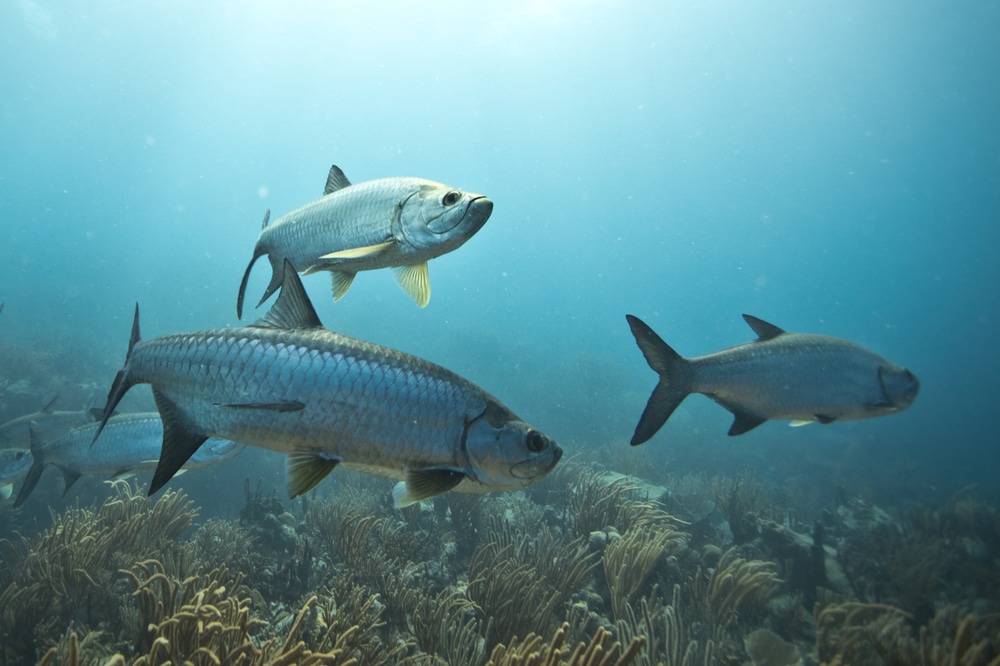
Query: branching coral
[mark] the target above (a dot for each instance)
(66, 573)
(740, 587)
(741, 500)
(628, 561)
(670, 640)
(876, 634)
(446, 624)
(598, 501)
(600, 651)
(201, 620)
(519, 579)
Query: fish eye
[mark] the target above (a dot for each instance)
(451, 198)
(536, 441)
(18, 455)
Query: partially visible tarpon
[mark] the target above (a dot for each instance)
(47, 418)
(14, 463)
(799, 377)
(287, 384)
(130, 445)
(396, 223)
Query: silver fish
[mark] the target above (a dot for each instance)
(14, 464)
(800, 377)
(47, 418)
(131, 445)
(287, 384)
(388, 222)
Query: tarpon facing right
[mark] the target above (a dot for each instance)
(388, 222)
(286, 383)
(799, 377)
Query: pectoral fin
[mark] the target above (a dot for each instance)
(415, 281)
(358, 252)
(423, 484)
(798, 423)
(305, 469)
(341, 282)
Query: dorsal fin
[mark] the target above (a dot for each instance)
(764, 330)
(293, 309)
(335, 181)
(50, 405)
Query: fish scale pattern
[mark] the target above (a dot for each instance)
(362, 215)
(315, 390)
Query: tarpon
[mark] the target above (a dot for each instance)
(388, 222)
(130, 445)
(14, 464)
(47, 418)
(799, 377)
(288, 384)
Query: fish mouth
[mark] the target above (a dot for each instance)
(477, 211)
(537, 467)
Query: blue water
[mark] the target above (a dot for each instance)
(829, 167)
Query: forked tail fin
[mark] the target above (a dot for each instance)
(258, 252)
(675, 380)
(122, 382)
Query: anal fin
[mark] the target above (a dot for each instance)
(305, 469)
(181, 438)
(421, 484)
(744, 421)
(415, 281)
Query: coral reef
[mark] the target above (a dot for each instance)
(595, 560)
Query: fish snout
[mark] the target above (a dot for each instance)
(477, 210)
(547, 455)
(900, 386)
(911, 390)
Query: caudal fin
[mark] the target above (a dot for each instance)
(675, 380)
(258, 252)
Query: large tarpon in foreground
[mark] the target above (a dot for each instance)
(780, 375)
(388, 222)
(130, 445)
(288, 384)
